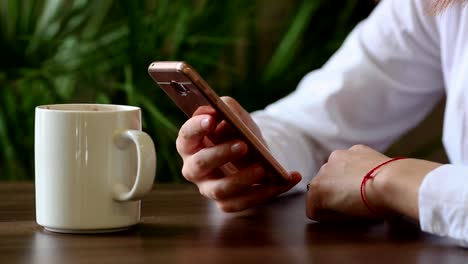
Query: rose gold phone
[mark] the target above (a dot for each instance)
(190, 92)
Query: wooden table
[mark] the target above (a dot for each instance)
(180, 226)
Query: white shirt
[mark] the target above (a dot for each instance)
(389, 73)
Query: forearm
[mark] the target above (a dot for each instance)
(395, 187)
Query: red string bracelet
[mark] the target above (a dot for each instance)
(370, 176)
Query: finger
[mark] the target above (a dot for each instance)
(204, 110)
(192, 133)
(328, 216)
(242, 113)
(208, 110)
(314, 201)
(203, 162)
(318, 209)
(235, 107)
(223, 132)
(232, 103)
(255, 195)
(234, 184)
(314, 207)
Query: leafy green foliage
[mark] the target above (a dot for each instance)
(98, 52)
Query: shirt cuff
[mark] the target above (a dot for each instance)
(443, 203)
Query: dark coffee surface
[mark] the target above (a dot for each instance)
(180, 226)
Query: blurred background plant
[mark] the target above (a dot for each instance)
(56, 51)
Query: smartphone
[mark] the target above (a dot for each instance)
(190, 92)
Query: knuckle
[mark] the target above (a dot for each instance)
(228, 207)
(217, 194)
(323, 168)
(199, 163)
(335, 155)
(359, 147)
(315, 185)
(211, 191)
(183, 135)
(203, 191)
(179, 145)
(188, 174)
(318, 192)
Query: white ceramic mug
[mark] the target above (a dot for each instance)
(93, 164)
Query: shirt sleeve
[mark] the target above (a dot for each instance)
(383, 80)
(443, 203)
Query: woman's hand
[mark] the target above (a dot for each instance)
(335, 191)
(210, 147)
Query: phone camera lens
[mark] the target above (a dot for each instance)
(180, 88)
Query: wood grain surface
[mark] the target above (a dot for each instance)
(180, 226)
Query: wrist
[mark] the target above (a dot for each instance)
(381, 186)
(395, 188)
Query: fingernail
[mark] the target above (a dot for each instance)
(236, 148)
(295, 176)
(205, 123)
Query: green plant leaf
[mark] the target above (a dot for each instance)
(57, 51)
(283, 55)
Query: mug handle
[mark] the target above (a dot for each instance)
(146, 155)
